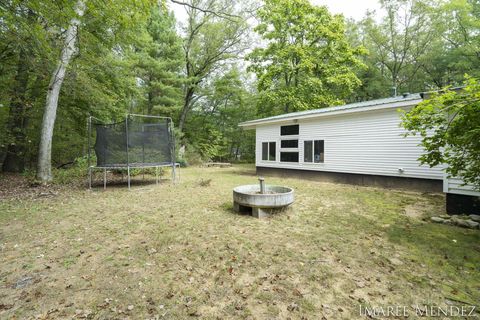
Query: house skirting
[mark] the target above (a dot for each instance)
(462, 204)
(405, 183)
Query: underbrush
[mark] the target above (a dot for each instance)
(75, 174)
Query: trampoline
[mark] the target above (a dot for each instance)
(138, 142)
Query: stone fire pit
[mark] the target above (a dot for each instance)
(260, 199)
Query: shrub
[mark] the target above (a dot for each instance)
(75, 174)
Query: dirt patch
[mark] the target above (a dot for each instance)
(419, 210)
(414, 211)
(15, 186)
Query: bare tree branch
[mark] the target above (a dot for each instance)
(223, 15)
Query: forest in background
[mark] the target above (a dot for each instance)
(228, 62)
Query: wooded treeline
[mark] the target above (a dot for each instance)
(228, 62)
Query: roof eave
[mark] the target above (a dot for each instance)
(254, 123)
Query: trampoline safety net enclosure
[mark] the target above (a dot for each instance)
(136, 142)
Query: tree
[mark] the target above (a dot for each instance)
(372, 77)
(226, 101)
(307, 62)
(398, 44)
(160, 62)
(15, 157)
(21, 39)
(109, 25)
(457, 51)
(213, 35)
(449, 124)
(44, 169)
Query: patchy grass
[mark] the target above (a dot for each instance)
(179, 251)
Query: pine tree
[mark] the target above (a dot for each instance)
(160, 65)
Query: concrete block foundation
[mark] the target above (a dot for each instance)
(391, 182)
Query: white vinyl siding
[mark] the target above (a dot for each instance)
(264, 136)
(368, 142)
(455, 185)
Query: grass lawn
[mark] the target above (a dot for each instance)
(179, 251)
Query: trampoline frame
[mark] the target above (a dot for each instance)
(174, 165)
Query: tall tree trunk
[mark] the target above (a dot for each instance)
(15, 158)
(183, 119)
(150, 97)
(185, 109)
(44, 170)
(394, 85)
(150, 104)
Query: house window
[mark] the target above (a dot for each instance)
(289, 156)
(269, 151)
(307, 151)
(314, 151)
(272, 153)
(264, 151)
(289, 144)
(318, 151)
(289, 130)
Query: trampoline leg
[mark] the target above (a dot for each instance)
(104, 179)
(89, 178)
(128, 177)
(173, 173)
(156, 175)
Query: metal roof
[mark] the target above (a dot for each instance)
(350, 106)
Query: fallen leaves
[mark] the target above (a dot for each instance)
(234, 266)
(230, 270)
(297, 292)
(5, 306)
(293, 307)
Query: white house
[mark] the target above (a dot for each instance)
(360, 143)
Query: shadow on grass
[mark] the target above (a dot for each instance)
(134, 182)
(250, 172)
(437, 240)
(451, 252)
(227, 207)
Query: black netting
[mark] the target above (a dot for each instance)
(138, 141)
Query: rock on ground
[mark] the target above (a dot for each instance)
(475, 217)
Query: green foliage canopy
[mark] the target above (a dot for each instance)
(159, 61)
(307, 62)
(225, 103)
(132, 57)
(449, 124)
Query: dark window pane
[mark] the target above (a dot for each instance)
(264, 150)
(319, 151)
(289, 144)
(307, 151)
(289, 130)
(272, 154)
(289, 156)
